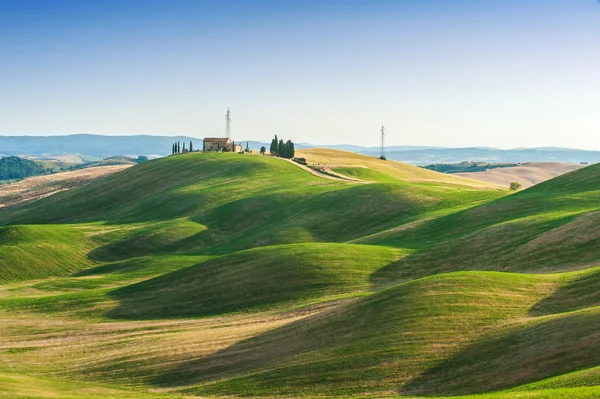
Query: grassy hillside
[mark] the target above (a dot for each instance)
(34, 188)
(257, 279)
(29, 252)
(212, 275)
(356, 349)
(243, 202)
(398, 170)
(551, 226)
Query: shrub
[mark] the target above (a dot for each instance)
(515, 186)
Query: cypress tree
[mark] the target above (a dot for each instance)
(288, 150)
(280, 148)
(273, 149)
(191, 146)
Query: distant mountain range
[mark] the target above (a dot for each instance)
(153, 146)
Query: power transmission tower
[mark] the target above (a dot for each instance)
(382, 155)
(228, 124)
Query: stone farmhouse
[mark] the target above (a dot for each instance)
(221, 144)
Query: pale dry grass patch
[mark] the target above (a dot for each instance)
(528, 174)
(37, 187)
(401, 171)
(123, 351)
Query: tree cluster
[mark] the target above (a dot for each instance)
(179, 147)
(19, 168)
(283, 150)
(467, 166)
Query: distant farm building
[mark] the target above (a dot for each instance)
(221, 144)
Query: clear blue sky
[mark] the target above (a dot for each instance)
(509, 73)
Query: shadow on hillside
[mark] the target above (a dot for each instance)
(521, 355)
(254, 280)
(254, 354)
(514, 246)
(271, 219)
(582, 292)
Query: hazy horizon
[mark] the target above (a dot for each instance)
(473, 73)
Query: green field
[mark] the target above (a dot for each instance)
(226, 275)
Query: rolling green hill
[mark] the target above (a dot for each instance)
(256, 279)
(38, 251)
(212, 275)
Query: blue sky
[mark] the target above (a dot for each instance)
(435, 72)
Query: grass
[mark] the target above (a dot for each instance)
(228, 275)
(28, 252)
(341, 159)
(254, 280)
(28, 387)
(549, 227)
(378, 344)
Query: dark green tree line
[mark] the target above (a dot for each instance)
(19, 168)
(281, 149)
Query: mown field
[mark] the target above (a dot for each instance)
(225, 275)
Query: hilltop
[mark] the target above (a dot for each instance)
(211, 275)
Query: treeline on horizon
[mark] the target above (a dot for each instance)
(466, 167)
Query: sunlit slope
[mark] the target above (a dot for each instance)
(28, 252)
(397, 170)
(551, 226)
(237, 202)
(166, 189)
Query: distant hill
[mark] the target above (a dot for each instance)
(452, 155)
(153, 146)
(88, 144)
